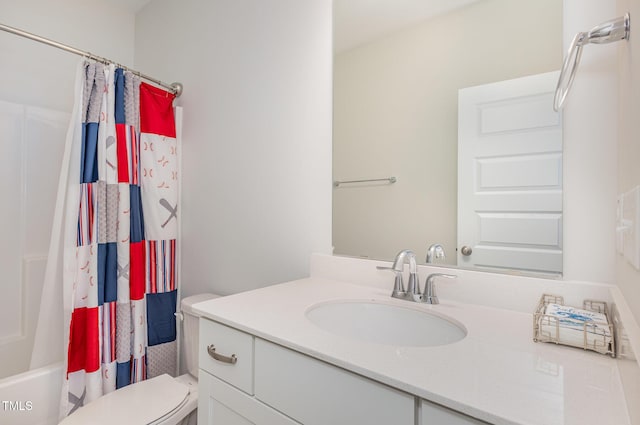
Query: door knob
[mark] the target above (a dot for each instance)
(466, 250)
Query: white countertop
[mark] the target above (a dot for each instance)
(496, 373)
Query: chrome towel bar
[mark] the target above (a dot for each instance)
(389, 180)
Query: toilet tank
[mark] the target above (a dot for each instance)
(190, 330)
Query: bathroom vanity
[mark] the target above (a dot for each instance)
(265, 359)
(270, 379)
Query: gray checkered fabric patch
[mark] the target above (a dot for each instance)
(162, 358)
(107, 212)
(123, 332)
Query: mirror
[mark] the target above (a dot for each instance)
(398, 70)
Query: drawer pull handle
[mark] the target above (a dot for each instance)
(219, 357)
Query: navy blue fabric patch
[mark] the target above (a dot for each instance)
(161, 320)
(123, 377)
(137, 219)
(89, 153)
(83, 142)
(107, 272)
(102, 264)
(119, 96)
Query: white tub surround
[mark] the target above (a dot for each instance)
(32, 397)
(496, 373)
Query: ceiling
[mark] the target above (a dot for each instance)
(360, 21)
(131, 5)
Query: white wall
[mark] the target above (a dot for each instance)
(629, 143)
(40, 75)
(628, 278)
(36, 94)
(590, 154)
(396, 114)
(257, 134)
(601, 146)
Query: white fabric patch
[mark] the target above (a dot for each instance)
(86, 281)
(123, 226)
(159, 186)
(109, 372)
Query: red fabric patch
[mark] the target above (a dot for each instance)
(156, 111)
(123, 153)
(84, 344)
(136, 275)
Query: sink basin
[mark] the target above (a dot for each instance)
(387, 324)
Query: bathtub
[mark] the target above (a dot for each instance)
(32, 397)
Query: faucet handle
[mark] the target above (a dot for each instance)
(398, 284)
(429, 296)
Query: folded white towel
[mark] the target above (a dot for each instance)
(576, 318)
(577, 327)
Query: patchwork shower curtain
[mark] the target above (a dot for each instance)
(121, 228)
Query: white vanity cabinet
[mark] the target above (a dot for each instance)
(225, 386)
(268, 384)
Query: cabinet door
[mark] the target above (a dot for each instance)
(222, 404)
(221, 414)
(433, 414)
(316, 393)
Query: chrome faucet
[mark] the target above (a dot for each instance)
(435, 251)
(429, 296)
(413, 288)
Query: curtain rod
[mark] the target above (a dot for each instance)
(175, 88)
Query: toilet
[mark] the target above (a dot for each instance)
(162, 400)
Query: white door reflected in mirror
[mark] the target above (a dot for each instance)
(510, 176)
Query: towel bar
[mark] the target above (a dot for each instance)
(390, 180)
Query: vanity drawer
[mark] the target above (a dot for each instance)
(313, 392)
(232, 360)
(433, 414)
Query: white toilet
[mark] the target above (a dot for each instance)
(162, 400)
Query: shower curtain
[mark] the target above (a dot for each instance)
(120, 228)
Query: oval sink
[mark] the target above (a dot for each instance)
(385, 324)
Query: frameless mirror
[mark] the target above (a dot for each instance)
(454, 100)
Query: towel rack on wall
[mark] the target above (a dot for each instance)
(389, 180)
(607, 32)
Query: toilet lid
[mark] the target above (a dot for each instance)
(140, 403)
